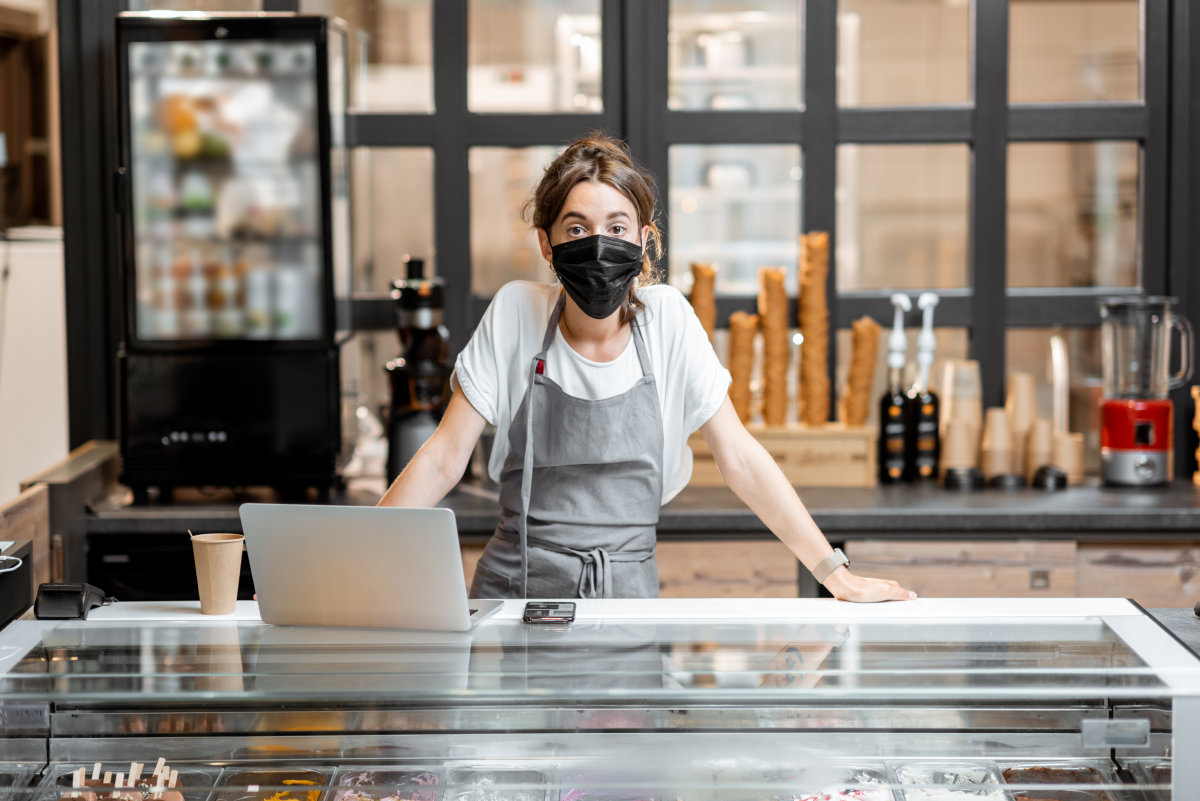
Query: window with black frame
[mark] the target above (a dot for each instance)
(1007, 154)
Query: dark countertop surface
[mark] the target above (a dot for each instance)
(1170, 513)
(1183, 623)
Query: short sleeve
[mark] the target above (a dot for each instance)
(477, 370)
(706, 380)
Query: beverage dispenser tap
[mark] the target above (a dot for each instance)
(924, 441)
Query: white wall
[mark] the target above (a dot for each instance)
(33, 358)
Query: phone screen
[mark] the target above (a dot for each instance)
(549, 612)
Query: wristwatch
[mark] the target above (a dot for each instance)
(829, 564)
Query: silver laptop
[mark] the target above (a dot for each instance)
(359, 566)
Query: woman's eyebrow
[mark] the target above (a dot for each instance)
(576, 215)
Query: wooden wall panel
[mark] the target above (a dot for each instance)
(1152, 575)
(967, 569)
(729, 569)
(709, 569)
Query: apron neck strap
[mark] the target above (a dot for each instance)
(552, 328)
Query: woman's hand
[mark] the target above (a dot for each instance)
(847, 586)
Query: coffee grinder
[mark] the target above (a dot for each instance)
(420, 374)
(1136, 415)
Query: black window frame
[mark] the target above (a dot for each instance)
(1165, 124)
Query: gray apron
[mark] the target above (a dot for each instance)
(579, 508)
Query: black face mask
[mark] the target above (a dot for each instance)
(597, 271)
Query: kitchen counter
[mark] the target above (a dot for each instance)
(1137, 543)
(1171, 513)
(1183, 623)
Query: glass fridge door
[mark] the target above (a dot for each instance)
(225, 164)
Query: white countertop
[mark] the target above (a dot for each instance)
(703, 609)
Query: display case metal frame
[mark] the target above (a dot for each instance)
(968, 684)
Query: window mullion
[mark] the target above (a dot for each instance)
(988, 192)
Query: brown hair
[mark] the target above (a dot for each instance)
(602, 159)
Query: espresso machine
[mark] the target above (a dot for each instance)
(1136, 414)
(420, 374)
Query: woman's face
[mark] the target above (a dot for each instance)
(593, 208)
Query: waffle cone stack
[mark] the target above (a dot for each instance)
(703, 297)
(814, 326)
(742, 329)
(773, 318)
(1196, 425)
(856, 402)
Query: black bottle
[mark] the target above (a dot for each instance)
(924, 441)
(895, 465)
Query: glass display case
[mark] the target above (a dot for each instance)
(795, 699)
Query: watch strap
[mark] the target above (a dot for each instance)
(829, 564)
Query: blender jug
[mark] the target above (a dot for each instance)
(1136, 415)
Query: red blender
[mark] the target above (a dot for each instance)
(1136, 416)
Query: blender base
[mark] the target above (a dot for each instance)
(1131, 468)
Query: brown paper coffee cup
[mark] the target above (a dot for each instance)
(218, 567)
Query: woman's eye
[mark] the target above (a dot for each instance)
(618, 230)
(575, 230)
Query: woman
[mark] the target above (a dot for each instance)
(594, 385)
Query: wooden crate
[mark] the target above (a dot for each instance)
(831, 456)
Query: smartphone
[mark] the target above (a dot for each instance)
(549, 612)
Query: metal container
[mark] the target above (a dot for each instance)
(386, 783)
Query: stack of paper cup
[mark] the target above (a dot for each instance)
(1021, 405)
(1068, 456)
(961, 404)
(960, 446)
(996, 458)
(1039, 446)
(961, 397)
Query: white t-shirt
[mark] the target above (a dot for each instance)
(493, 369)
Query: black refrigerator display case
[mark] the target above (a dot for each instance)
(233, 195)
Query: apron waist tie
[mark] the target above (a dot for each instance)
(595, 581)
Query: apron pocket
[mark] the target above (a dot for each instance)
(497, 573)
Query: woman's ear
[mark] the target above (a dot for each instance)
(645, 237)
(544, 245)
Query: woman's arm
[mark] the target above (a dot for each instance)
(755, 478)
(440, 462)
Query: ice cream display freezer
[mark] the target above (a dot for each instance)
(689, 700)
